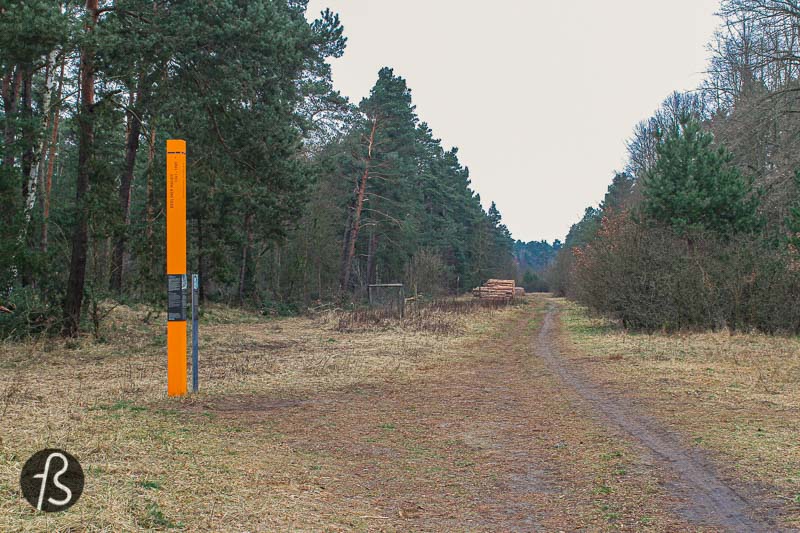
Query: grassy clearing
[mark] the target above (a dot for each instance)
(306, 425)
(736, 395)
(158, 463)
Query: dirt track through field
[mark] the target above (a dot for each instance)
(709, 500)
(513, 424)
(509, 434)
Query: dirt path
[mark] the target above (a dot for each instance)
(504, 424)
(505, 436)
(709, 500)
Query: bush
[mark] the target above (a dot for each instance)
(282, 309)
(558, 276)
(650, 278)
(427, 274)
(531, 282)
(31, 316)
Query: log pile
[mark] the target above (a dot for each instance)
(495, 289)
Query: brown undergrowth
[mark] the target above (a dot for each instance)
(438, 317)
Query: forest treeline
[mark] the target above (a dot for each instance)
(295, 194)
(533, 259)
(702, 228)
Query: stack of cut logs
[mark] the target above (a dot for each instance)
(495, 289)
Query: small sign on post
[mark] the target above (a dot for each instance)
(195, 330)
(176, 267)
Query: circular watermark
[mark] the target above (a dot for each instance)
(52, 480)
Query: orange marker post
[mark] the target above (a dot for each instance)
(176, 267)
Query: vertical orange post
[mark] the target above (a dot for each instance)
(176, 267)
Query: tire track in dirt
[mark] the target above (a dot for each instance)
(709, 500)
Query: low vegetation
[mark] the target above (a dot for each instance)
(735, 395)
(651, 278)
(296, 414)
(153, 463)
(440, 316)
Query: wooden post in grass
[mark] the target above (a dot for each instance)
(176, 267)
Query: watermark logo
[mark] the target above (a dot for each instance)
(52, 480)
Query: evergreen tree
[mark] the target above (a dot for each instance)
(619, 192)
(33, 36)
(535, 256)
(384, 179)
(693, 185)
(583, 231)
(501, 245)
(279, 162)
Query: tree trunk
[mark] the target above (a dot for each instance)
(348, 234)
(32, 159)
(11, 86)
(248, 228)
(371, 257)
(126, 181)
(37, 153)
(352, 236)
(151, 199)
(150, 209)
(80, 236)
(28, 141)
(51, 156)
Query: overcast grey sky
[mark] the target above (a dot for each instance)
(538, 95)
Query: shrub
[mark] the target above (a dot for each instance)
(651, 278)
(427, 274)
(31, 316)
(282, 309)
(531, 282)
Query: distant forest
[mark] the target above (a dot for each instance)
(295, 194)
(533, 260)
(702, 227)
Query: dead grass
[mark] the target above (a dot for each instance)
(437, 317)
(158, 463)
(302, 425)
(736, 395)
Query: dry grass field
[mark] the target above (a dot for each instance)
(445, 421)
(736, 396)
(159, 463)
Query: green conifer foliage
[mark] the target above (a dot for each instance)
(693, 185)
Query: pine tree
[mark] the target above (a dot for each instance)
(619, 192)
(33, 35)
(385, 166)
(279, 162)
(693, 185)
(583, 231)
